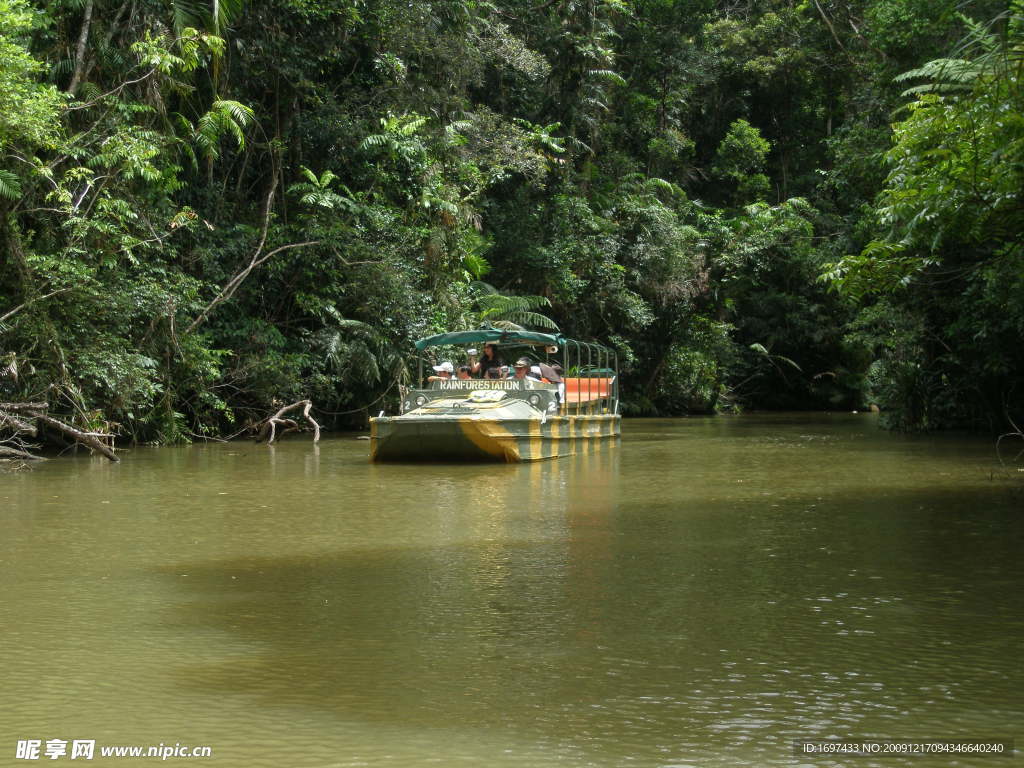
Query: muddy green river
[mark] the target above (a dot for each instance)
(702, 594)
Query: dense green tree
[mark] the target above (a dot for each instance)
(949, 256)
(208, 209)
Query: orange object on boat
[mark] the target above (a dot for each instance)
(586, 390)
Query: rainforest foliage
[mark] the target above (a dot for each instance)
(207, 208)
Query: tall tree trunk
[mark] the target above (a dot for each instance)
(83, 37)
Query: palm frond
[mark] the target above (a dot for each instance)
(10, 185)
(499, 304)
(476, 265)
(187, 13)
(520, 321)
(608, 75)
(944, 76)
(509, 312)
(229, 10)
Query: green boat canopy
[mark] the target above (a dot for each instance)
(484, 335)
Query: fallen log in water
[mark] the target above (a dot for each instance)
(23, 407)
(6, 452)
(88, 439)
(22, 418)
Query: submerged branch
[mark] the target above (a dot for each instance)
(269, 427)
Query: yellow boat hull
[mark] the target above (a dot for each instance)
(472, 438)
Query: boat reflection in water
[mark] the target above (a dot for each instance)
(478, 502)
(507, 419)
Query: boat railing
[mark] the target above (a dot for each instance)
(591, 379)
(590, 371)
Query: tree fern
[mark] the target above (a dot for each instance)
(944, 76)
(224, 117)
(355, 349)
(397, 135)
(317, 193)
(982, 53)
(509, 312)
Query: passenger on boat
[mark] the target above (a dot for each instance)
(500, 372)
(489, 361)
(444, 372)
(549, 373)
(463, 372)
(524, 369)
(556, 378)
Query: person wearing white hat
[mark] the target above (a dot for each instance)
(524, 369)
(444, 371)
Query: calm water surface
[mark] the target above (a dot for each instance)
(699, 596)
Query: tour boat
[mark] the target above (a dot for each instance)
(507, 419)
